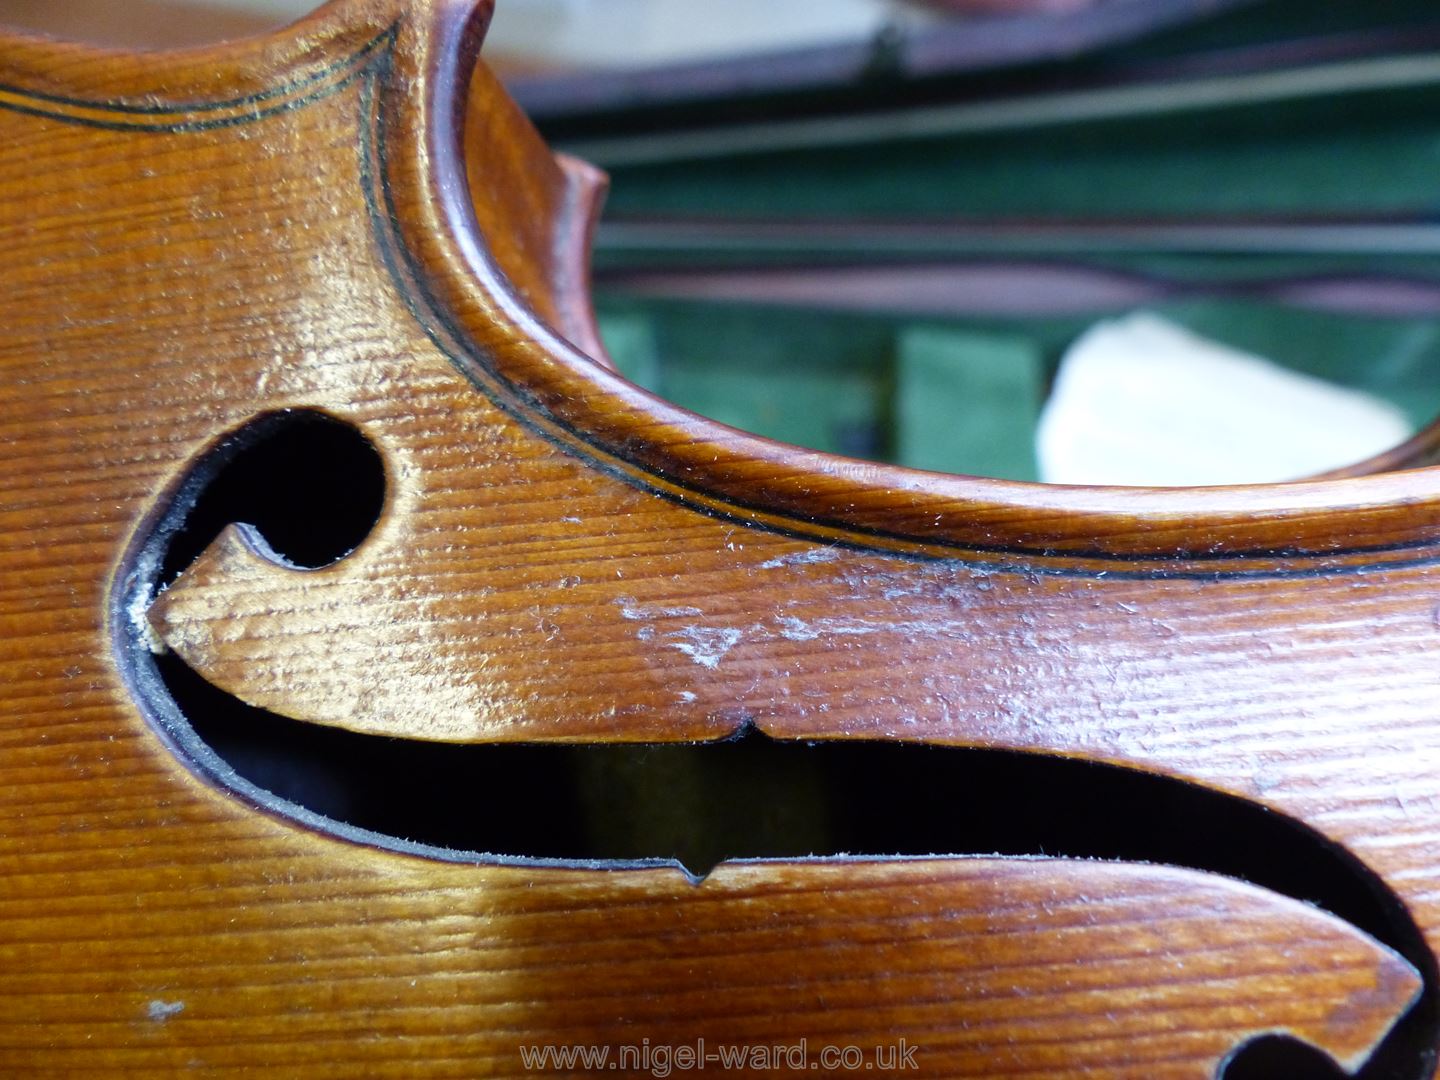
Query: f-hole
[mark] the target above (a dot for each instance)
(313, 487)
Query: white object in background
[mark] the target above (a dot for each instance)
(1142, 401)
(636, 33)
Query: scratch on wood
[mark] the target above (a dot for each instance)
(795, 629)
(801, 558)
(160, 1011)
(636, 613)
(706, 645)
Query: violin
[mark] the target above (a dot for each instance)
(393, 689)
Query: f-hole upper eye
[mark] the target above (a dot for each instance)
(311, 485)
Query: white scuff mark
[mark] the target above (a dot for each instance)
(794, 629)
(639, 613)
(160, 1011)
(687, 696)
(947, 582)
(706, 645)
(137, 609)
(137, 605)
(802, 558)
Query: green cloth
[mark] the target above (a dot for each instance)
(961, 395)
(968, 402)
